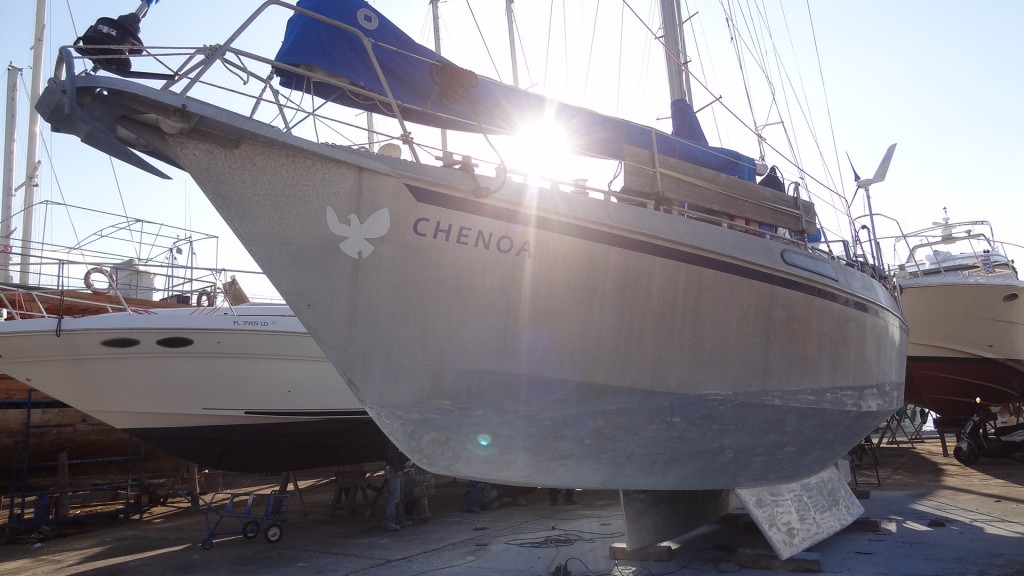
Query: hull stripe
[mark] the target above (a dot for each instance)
(586, 233)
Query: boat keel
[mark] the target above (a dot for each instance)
(792, 516)
(653, 516)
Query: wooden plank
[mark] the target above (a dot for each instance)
(657, 553)
(685, 182)
(765, 560)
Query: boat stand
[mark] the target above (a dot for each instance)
(350, 482)
(895, 426)
(27, 508)
(862, 453)
(289, 478)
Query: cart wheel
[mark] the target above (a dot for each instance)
(251, 529)
(207, 544)
(966, 456)
(273, 533)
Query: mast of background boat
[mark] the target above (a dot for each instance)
(10, 167)
(32, 160)
(512, 41)
(675, 52)
(437, 48)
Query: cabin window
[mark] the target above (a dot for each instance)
(175, 342)
(120, 343)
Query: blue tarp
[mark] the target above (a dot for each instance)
(435, 92)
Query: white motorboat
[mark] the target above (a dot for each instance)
(172, 353)
(960, 296)
(679, 333)
(241, 388)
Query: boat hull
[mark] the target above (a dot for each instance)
(503, 332)
(239, 393)
(966, 343)
(554, 359)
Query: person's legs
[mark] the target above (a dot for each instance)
(553, 496)
(394, 513)
(491, 498)
(481, 496)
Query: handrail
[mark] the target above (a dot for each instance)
(196, 66)
(954, 233)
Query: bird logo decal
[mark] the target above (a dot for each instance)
(357, 233)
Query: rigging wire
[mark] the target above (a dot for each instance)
(487, 48)
(788, 78)
(824, 91)
(49, 158)
(785, 75)
(809, 120)
(735, 37)
(707, 62)
(565, 46)
(120, 195)
(71, 16)
(526, 61)
(618, 85)
(590, 56)
(547, 47)
(732, 113)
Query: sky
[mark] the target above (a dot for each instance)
(938, 78)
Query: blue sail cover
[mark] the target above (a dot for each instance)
(433, 91)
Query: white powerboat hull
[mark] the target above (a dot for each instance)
(246, 391)
(966, 343)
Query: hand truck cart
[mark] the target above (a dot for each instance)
(250, 510)
(417, 485)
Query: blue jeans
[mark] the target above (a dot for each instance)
(394, 514)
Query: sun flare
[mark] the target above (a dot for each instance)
(540, 149)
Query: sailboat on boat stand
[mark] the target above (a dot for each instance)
(635, 339)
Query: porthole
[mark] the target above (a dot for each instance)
(120, 343)
(175, 342)
(1011, 297)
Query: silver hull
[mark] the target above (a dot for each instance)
(543, 338)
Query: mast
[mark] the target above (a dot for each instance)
(32, 161)
(437, 48)
(10, 165)
(512, 42)
(675, 51)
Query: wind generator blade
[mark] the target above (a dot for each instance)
(883, 168)
(856, 176)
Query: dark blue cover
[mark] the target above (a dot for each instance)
(433, 91)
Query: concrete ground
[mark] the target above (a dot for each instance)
(936, 517)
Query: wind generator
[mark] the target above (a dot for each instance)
(865, 185)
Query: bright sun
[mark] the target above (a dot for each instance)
(539, 149)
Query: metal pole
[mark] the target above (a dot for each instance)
(512, 42)
(32, 162)
(437, 48)
(677, 82)
(876, 248)
(372, 142)
(10, 167)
